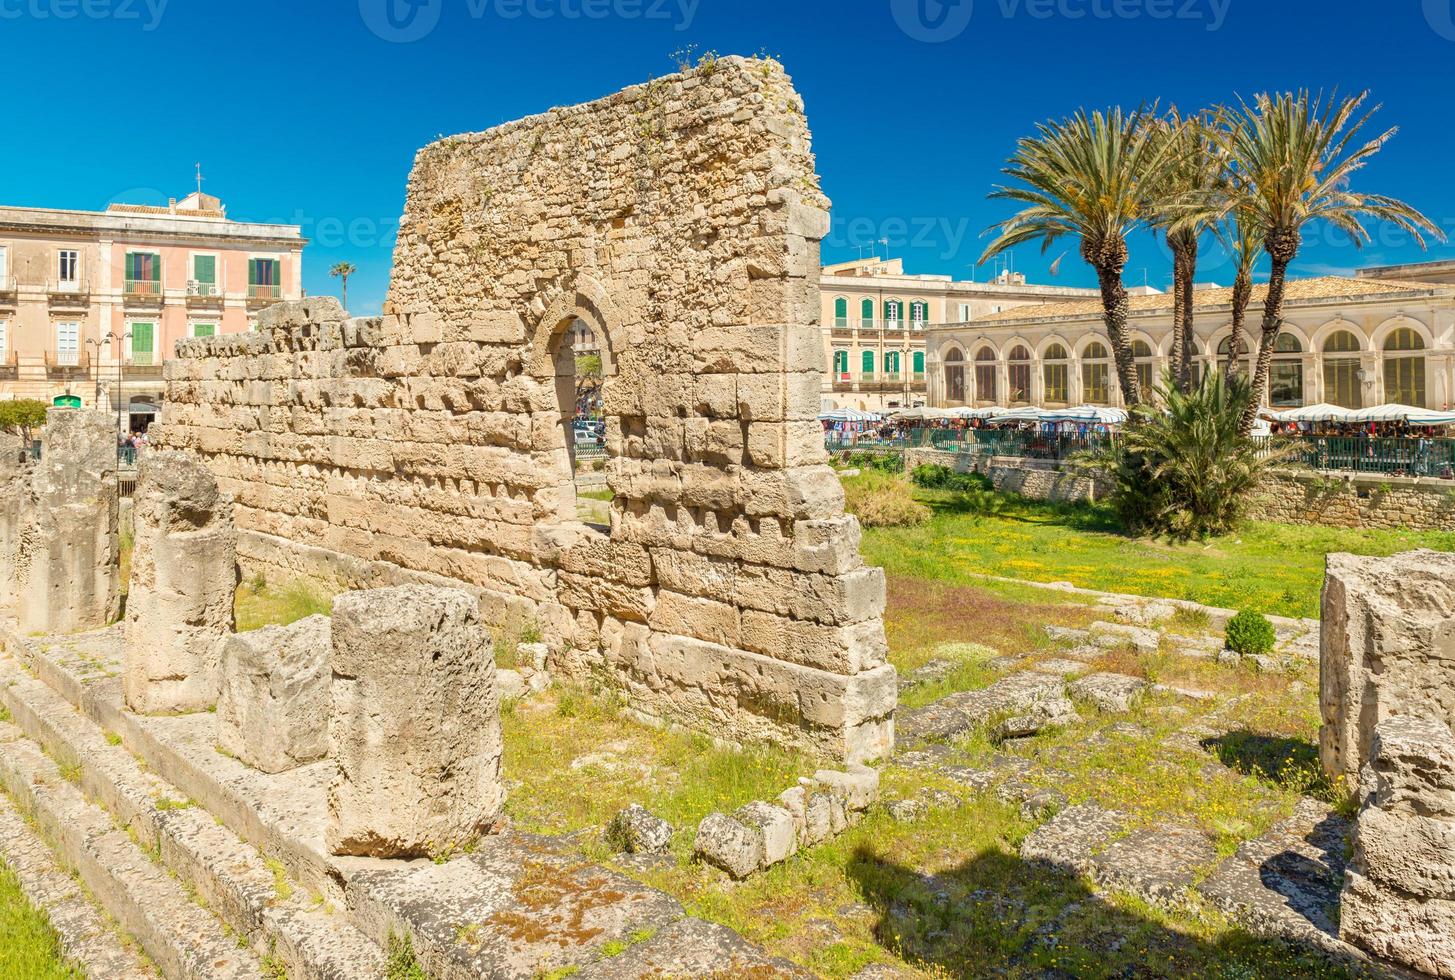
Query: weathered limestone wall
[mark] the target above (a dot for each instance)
(680, 220)
(14, 501)
(1389, 503)
(66, 567)
(1035, 480)
(179, 609)
(1399, 889)
(1387, 649)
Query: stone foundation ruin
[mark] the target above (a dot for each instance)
(680, 221)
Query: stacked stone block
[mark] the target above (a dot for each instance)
(680, 219)
(66, 564)
(14, 510)
(273, 709)
(179, 609)
(414, 726)
(1387, 649)
(1399, 890)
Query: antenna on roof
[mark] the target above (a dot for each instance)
(199, 179)
(885, 243)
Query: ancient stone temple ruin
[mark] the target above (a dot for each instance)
(680, 221)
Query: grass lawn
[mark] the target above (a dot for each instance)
(1272, 568)
(29, 949)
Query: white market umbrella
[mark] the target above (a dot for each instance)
(848, 415)
(1018, 415)
(1403, 413)
(1097, 414)
(1321, 412)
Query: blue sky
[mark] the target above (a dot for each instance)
(311, 112)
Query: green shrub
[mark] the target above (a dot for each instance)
(933, 476)
(883, 500)
(1250, 633)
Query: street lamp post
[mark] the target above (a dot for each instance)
(96, 371)
(120, 346)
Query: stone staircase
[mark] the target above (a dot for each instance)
(215, 870)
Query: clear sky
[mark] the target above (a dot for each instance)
(311, 111)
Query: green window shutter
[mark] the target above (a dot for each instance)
(204, 329)
(143, 336)
(866, 309)
(867, 362)
(919, 362)
(252, 272)
(204, 268)
(130, 266)
(156, 267)
(841, 309)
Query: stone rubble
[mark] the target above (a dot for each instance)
(636, 830)
(1108, 692)
(276, 696)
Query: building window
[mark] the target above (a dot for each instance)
(1243, 352)
(1095, 374)
(866, 314)
(955, 376)
(3, 265)
(866, 363)
(204, 329)
(68, 265)
(143, 274)
(4, 338)
(68, 344)
(893, 314)
(1341, 374)
(841, 312)
(985, 375)
(143, 343)
(1404, 372)
(204, 275)
(1142, 353)
(264, 279)
(841, 365)
(919, 365)
(1019, 375)
(964, 312)
(1285, 374)
(1055, 374)
(919, 314)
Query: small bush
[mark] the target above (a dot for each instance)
(1250, 633)
(932, 476)
(881, 500)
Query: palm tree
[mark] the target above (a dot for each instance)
(342, 271)
(1186, 208)
(1087, 176)
(1292, 156)
(1241, 235)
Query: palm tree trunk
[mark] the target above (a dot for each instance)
(1242, 290)
(1114, 312)
(1268, 337)
(1188, 274)
(1176, 355)
(346, 292)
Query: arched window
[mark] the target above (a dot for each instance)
(866, 314)
(919, 314)
(1243, 362)
(841, 365)
(955, 377)
(841, 312)
(1341, 373)
(1055, 373)
(1095, 374)
(985, 375)
(1404, 368)
(893, 314)
(866, 363)
(1019, 375)
(891, 365)
(1285, 375)
(919, 365)
(1142, 353)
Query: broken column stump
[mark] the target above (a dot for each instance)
(1399, 890)
(14, 509)
(272, 711)
(415, 726)
(67, 563)
(179, 611)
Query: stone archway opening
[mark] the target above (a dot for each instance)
(582, 360)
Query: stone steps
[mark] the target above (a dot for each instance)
(184, 940)
(88, 938)
(253, 895)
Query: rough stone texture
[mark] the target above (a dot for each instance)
(272, 712)
(1399, 889)
(776, 827)
(179, 609)
(681, 220)
(957, 713)
(1361, 501)
(14, 509)
(1158, 864)
(693, 948)
(415, 726)
(729, 844)
(1109, 692)
(66, 566)
(637, 830)
(1388, 648)
(1140, 638)
(1069, 839)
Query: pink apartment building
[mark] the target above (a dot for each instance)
(91, 302)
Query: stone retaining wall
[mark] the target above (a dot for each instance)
(1332, 500)
(1035, 479)
(681, 221)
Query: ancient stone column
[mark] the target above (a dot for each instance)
(415, 726)
(179, 611)
(1399, 890)
(272, 712)
(15, 510)
(1387, 648)
(67, 567)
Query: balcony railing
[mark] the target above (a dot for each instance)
(142, 289)
(143, 359)
(66, 361)
(263, 292)
(68, 290)
(197, 290)
(9, 364)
